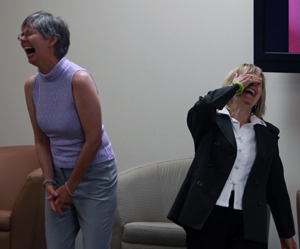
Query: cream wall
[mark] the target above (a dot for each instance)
(151, 60)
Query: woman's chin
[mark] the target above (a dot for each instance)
(32, 59)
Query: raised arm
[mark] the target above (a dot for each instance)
(202, 115)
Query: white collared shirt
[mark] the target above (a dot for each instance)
(246, 153)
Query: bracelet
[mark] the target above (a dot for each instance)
(48, 180)
(241, 86)
(68, 189)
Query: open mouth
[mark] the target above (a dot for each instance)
(29, 50)
(250, 91)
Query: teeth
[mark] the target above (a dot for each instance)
(251, 91)
(29, 50)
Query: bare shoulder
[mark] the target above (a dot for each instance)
(29, 84)
(83, 85)
(82, 79)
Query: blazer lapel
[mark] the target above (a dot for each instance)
(225, 125)
(265, 141)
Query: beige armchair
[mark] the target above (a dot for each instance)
(21, 199)
(145, 196)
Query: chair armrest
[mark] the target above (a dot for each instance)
(28, 216)
(138, 198)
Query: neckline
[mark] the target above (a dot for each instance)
(56, 71)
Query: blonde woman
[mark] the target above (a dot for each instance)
(236, 171)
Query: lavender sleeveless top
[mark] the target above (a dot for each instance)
(57, 116)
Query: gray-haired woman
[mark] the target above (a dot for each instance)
(72, 146)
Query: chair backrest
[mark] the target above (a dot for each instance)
(146, 193)
(16, 162)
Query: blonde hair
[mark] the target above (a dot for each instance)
(260, 109)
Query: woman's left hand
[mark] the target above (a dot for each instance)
(288, 243)
(63, 199)
(247, 79)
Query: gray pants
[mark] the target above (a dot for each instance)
(92, 210)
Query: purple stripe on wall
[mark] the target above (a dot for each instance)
(294, 26)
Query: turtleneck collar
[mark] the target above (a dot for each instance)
(56, 71)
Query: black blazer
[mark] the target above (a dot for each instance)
(215, 153)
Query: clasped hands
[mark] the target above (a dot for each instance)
(59, 198)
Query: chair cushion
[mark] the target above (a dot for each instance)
(5, 216)
(154, 233)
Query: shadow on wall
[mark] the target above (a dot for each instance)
(283, 99)
(292, 103)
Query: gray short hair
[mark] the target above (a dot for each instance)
(49, 25)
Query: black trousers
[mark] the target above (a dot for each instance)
(222, 230)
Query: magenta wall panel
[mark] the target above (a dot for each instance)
(294, 26)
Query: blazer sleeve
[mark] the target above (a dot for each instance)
(278, 199)
(202, 115)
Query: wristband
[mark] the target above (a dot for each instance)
(48, 180)
(241, 87)
(68, 189)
